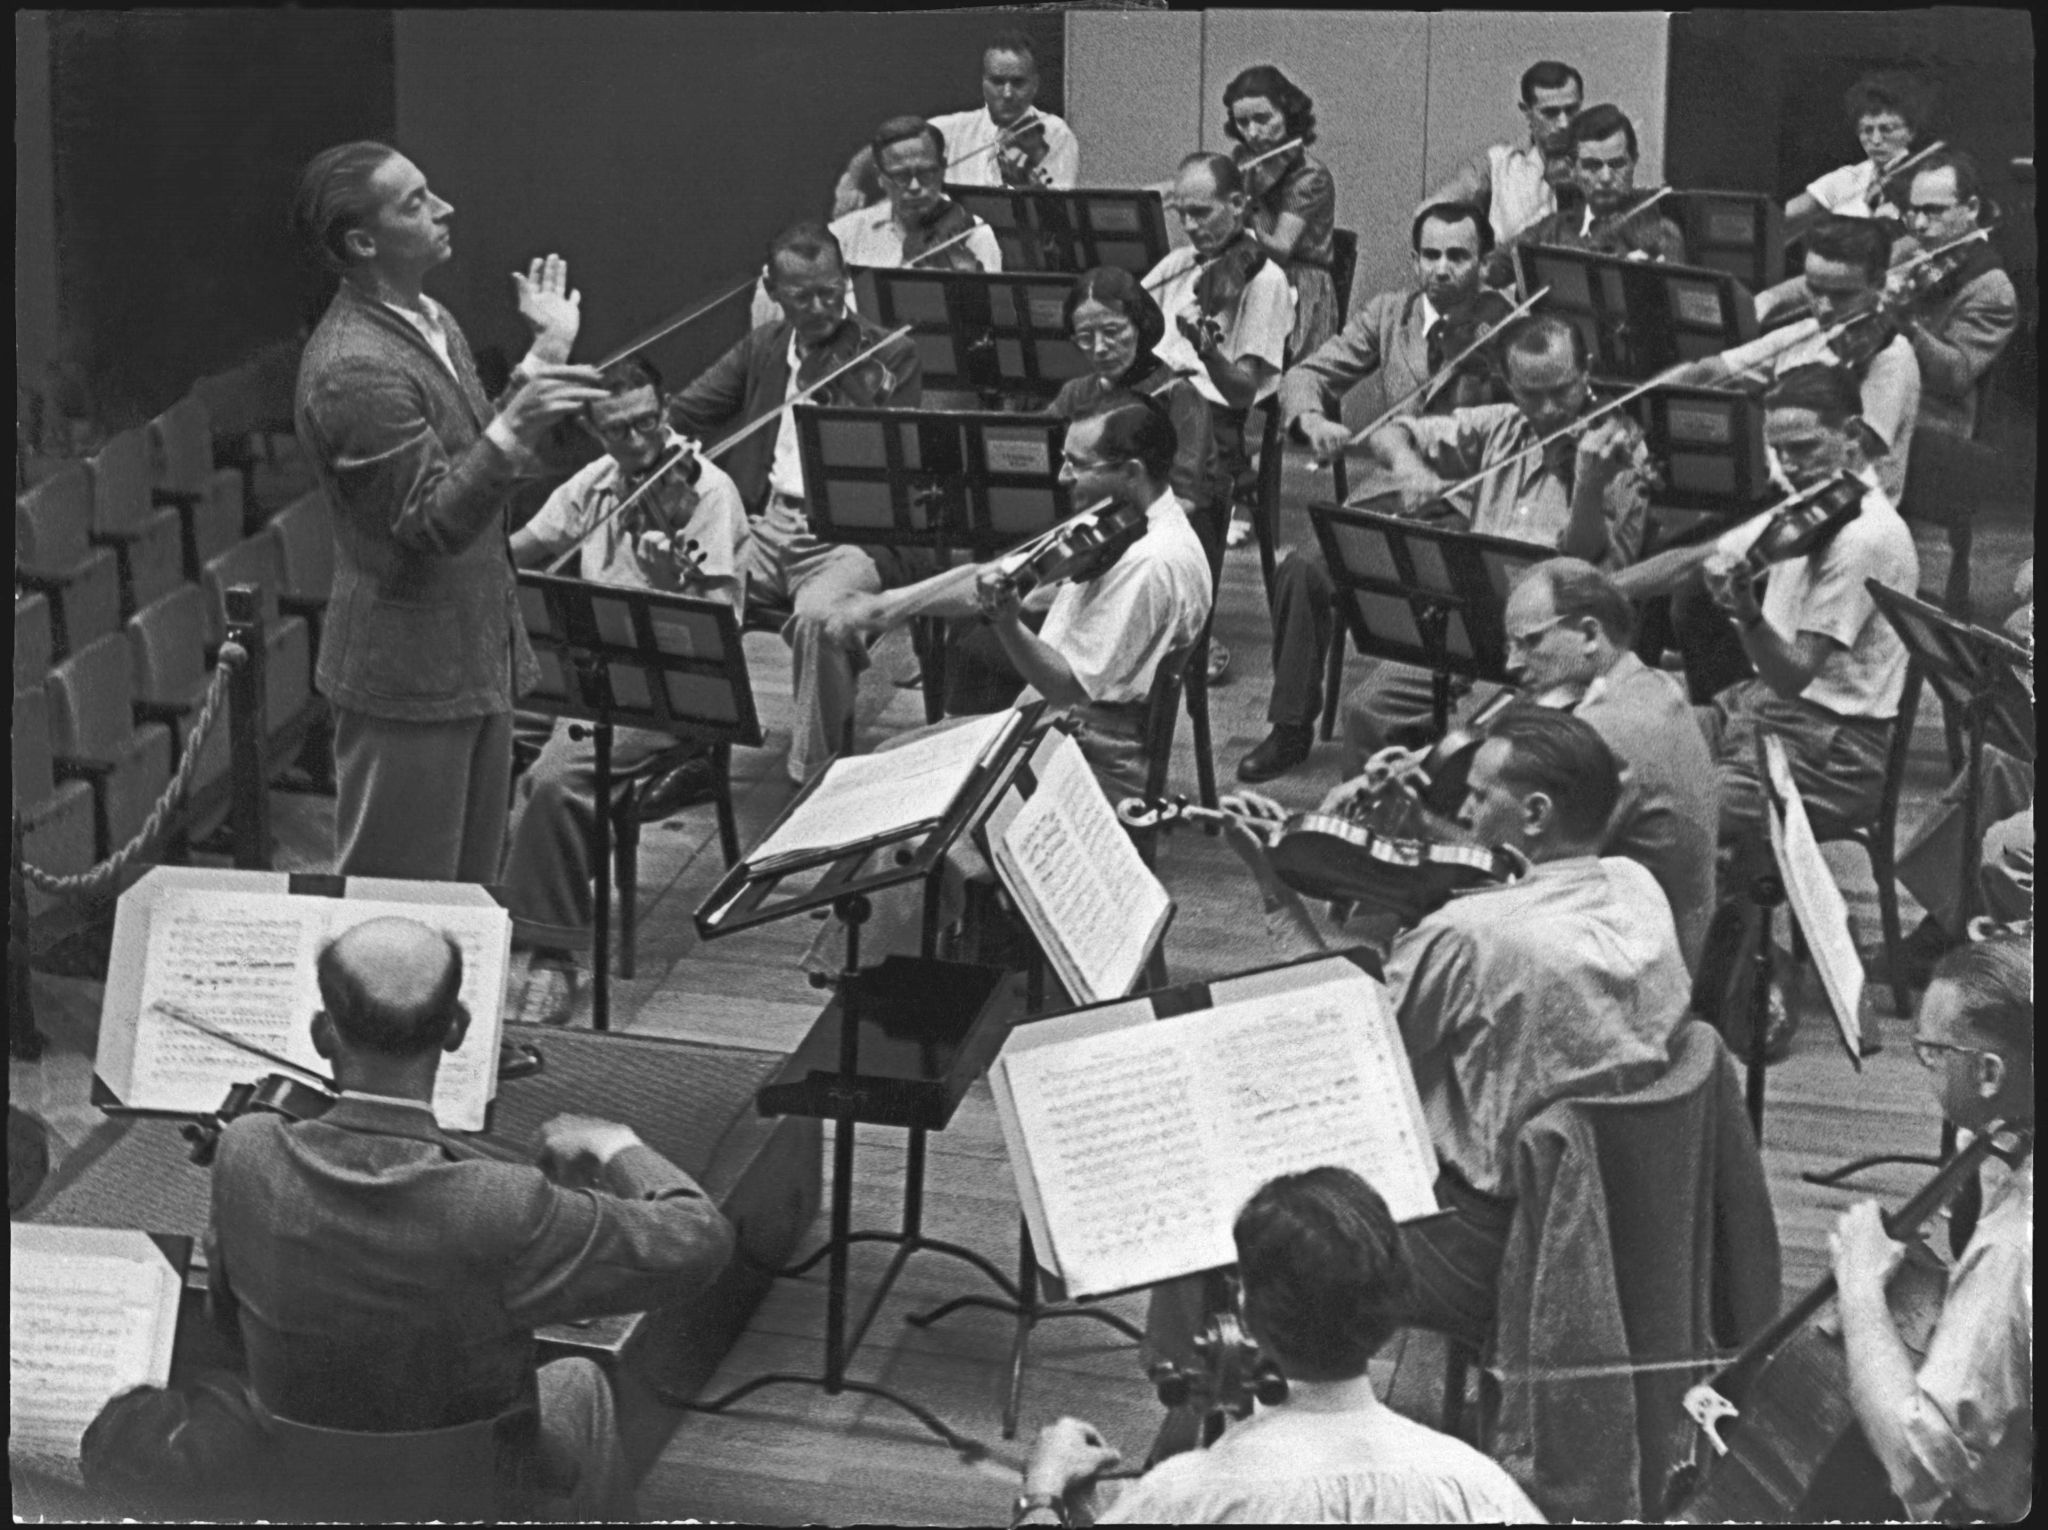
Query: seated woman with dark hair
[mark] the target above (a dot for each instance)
(1323, 1274)
(1890, 110)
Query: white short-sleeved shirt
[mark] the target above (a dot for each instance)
(786, 467)
(1115, 628)
(1890, 389)
(1846, 190)
(971, 158)
(1824, 592)
(870, 237)
(1263, 320)
(715, 518)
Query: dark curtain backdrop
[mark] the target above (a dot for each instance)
(177, 138)
(657, 152)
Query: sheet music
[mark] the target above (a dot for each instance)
(867, 796)
(244, 963)
(1816, 901)
(92, 1312)
(1121, 1162)
(1100, 906)
(1143, 1142)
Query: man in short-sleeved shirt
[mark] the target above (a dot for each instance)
(1512, 182)
(1256, 327)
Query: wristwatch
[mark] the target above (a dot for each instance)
(1038, 1503)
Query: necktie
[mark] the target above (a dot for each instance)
(1433, 344)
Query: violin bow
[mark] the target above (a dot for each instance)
(669, 326)
(1443, 374)
(1002, 139)
(1885, 177)
(726, 445)
(943, 244)
(205, 1028)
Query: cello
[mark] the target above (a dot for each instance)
(1775, 1427)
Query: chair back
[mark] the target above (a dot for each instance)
(1343, 270)
(120, 484)
(305, 539)
(34, 642)
(53, 519)
(91, 695)
(1162, 712)
(428, 1474)
(1690, 1263)
(167, 642)
(181, 448)
(35, 772)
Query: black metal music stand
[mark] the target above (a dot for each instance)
(1638, 317)
(613, 656)
(1423, 594)
(1071, 231)
(1740, 232)
(1002, 335)
(933, 1013)
(940, 480)
(1977, 675)
(1030, 1306)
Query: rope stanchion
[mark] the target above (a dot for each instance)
(87, 883)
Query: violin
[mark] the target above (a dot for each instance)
(1473, 374)
(1020, 156)
(1219, 287)
(297, 1099)
(1784, 1397)
(939, 243)
(1448, 762)
(1804, 523)
(1078, 549)
(1383, 850)
(1617, 232)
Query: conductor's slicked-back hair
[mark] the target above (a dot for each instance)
(1562, 757)
(334, 196)
(1323, 1269)
(358, 995)
(1138, 429)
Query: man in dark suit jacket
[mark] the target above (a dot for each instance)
(386, 1278)
(423, 650)
(788, 567)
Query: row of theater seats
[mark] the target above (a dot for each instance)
(123, 563)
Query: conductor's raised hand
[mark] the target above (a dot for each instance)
(546, 394)
(552, 311)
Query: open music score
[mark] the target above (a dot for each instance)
(1135, 1139)
(243, 962)
(92, 1311)
(1815, 898)
(1093, 904)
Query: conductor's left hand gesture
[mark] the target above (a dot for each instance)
(552, 311)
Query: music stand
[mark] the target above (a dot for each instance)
(1638, 317)
(1976, 673)
(942, 480)
(611, 655)
(999, 334)
(1740, 232)
(1422, 594)
(942, 1000)
(1071, 231)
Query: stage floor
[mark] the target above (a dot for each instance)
(795, 1456)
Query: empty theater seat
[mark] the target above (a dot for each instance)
(148, 540)
(57, 817)
(54, 557)
(93, 734)
(209, 500)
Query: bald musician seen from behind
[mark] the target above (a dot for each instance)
(386, 1278)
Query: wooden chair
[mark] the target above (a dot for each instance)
(413, 1477)
(1947, 477)
(94, 737)
(148, 543)
(54, 557)
(1162, 710)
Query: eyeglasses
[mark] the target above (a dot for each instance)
(1523, 642)
(1929, 1052)
(915, 175)
(639, 425)
(809, 297)
(1107, 335)
(1929, 209)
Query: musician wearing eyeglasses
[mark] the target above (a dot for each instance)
(1402, 338)
(688, 534)
(785, 564)
(1585, 496)
(1602, 214)
(1889, 110)
(1006, 141)
(1517, 185)
(1828, 670)
(1953, 1427)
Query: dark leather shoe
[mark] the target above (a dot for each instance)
(1283, 749)
(685, 785)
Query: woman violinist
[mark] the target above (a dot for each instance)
(1293, 196)
(1889, 110)
(1954, 1430)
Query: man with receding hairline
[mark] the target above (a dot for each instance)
(388, 1280)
